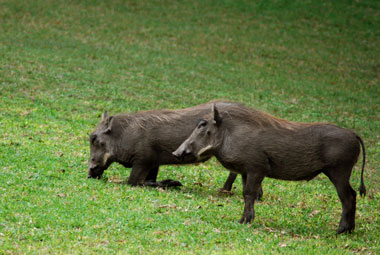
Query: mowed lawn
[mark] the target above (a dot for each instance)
(62, 63)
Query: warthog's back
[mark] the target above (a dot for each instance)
(157, 133)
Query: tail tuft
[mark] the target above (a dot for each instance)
(362, 190)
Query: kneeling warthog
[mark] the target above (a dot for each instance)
(257, 145)
(146, 140)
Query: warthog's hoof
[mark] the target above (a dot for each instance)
(222, 190)
(248, 217)
(345, 228)
(169, 183)
(163, 184)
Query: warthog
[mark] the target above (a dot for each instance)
(257, 145)
(144, 141)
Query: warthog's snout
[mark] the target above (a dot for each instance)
(94, 171)
(181, 152)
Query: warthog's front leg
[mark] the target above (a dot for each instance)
(251, 187)
(138, 174)
(227, 187)
(152, 175)
(228, 184)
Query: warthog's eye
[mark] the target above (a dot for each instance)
(92, 138)
(202, 123)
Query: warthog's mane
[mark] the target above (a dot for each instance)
(152, 118)
(234, 111)
(148, 118)
(260, 119)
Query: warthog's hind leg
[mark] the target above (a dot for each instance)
(340, 178)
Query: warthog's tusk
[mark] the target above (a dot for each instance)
(203, 150)
(105, 158)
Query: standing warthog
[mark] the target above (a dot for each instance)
(144, 141)
(258, 145)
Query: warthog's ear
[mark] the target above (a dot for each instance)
(217, 118)
(108, 124)
(104, 115)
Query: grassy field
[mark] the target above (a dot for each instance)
(62, 63)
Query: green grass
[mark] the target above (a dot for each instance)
(62, 63)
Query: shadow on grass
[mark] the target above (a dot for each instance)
(283, 224)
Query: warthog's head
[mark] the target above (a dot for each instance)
(101, 147)
(204, 138)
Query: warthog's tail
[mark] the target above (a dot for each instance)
(362, 189)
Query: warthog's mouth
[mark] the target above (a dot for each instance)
(94, 176)
(95, 173)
